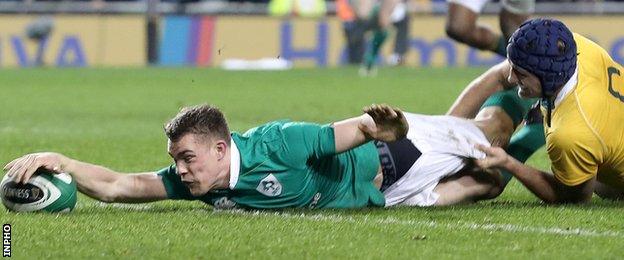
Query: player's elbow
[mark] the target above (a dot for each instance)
(495, 191)
(107, 199)
(551, 201)
(561, 200)
(564, 194)
(108, 192)
(109, 195)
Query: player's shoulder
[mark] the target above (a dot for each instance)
(275, 135)
(587, 49)
(572, 137)
(267, 129)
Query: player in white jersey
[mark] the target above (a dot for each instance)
(445, 143)
(432, 165)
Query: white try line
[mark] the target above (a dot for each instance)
(508, 228)
(462, 225)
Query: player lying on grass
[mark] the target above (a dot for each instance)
(580, 87)
(295, 164)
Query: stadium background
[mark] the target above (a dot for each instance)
(205, 33)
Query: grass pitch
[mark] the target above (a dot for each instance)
(114, 117)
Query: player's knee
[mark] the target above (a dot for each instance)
(495, 191)
(499, 125)
(493, 185)
(509, 22)
(457, 31)
(505, 126)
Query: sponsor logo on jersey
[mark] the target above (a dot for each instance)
(315, 200)
(224, 203)
(270, 186)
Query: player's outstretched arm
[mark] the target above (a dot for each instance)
(380, 122)
(95, 181)
(471, 99)
(544, 185)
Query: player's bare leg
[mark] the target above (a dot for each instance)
(513, 14)
(509, 22)
(470, 186)
(462, 26)
(496, 124)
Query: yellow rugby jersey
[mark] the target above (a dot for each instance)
(586, 137)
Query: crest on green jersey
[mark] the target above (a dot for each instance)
(270, 186)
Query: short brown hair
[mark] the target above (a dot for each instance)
(204, 120)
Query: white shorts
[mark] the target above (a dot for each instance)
(513, 6)
(446, 143)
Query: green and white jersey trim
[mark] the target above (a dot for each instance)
(234, 164)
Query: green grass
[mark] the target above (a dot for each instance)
(114, 117)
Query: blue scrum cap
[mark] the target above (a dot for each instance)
(546, 48)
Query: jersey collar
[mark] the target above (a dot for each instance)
(234, 164)
(567, 88)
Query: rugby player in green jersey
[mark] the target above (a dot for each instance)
(417, 160)
(276, 165)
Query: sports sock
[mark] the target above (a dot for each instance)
(379, 37)
(508, 100)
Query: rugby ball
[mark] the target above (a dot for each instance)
(43, 192)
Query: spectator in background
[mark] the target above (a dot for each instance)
(462, 26)
(361, 16)
(401, 22)
(354, 31)
(38, 31)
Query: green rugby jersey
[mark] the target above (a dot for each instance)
(291, 164)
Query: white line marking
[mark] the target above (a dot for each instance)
(509, 228)
(127, 206)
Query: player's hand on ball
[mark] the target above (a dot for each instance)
(494, 157)
(384, 123)
(21, 169)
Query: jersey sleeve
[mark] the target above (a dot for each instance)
(574, 160)
(176, 190)
(309, 140)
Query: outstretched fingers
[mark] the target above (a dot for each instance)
(10, 165)
(381, 112)
(389, 124)
(398, 112)
(29, 172)
(373, 111)
(389, 112)
(23, 168)
(17, 166)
